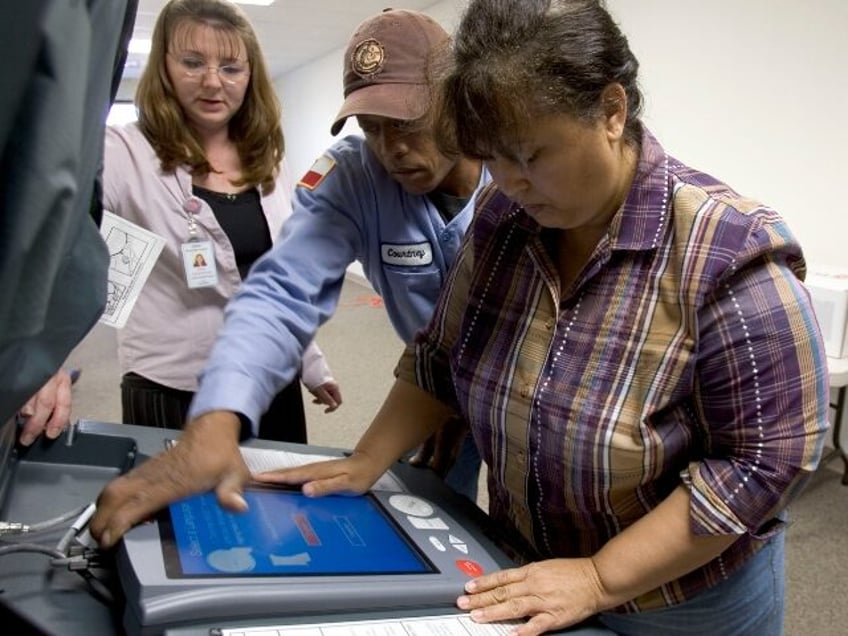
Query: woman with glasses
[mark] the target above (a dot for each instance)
(203, 167)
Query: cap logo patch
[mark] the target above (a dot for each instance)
(367, 58)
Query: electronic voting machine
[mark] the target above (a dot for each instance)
(291, 555)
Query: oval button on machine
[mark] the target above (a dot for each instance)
(410, 505)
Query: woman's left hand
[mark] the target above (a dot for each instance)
(554, 593)
(329, 394)
(48, 411)
(352, 475)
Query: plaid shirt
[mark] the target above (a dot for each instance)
(686, 351)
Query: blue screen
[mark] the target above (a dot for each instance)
(284, 534)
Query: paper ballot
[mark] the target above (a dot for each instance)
(443, 625)
(132, 253)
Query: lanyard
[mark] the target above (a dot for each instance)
(191, 207)
(198, 256)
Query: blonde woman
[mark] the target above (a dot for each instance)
(204, 168)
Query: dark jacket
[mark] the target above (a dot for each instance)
(62, 61)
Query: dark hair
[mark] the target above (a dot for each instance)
(514, 60)
(256, 128)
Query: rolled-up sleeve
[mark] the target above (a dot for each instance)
(761, 392)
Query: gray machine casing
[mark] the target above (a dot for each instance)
(155, 601)
(54, 476)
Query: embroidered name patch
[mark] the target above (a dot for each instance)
(407, 255)
(315, 175)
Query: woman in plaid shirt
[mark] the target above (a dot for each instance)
(628, 338)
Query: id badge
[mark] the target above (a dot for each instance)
(199, 264)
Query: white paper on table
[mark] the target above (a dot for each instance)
(443, 625)
(132, 253)
(260, 460)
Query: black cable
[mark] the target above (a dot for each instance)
(97, 587)
(76, 558)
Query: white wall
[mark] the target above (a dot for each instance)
(753, 92)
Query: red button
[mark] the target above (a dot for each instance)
(471, 568)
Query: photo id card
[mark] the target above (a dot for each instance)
(199, 264)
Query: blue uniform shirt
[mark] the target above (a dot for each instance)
(346, 208)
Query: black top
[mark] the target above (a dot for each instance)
(241, 217)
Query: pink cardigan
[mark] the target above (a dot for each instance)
(170, 332)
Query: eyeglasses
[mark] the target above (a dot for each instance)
(195, 68)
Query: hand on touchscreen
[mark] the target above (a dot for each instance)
(352, 475)
(207, 458)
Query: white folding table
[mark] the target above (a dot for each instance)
(838, 371)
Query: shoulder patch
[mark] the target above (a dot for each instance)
(315, 175)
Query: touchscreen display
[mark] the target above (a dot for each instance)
(284, 533)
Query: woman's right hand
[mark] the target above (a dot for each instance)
(352, 475)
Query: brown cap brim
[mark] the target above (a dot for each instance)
(396, 101)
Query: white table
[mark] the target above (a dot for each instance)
(838, 370)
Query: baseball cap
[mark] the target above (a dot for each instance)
(385, 66)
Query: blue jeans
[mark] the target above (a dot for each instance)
(463, 475)
(749, 603)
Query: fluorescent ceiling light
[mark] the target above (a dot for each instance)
(261, 3)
